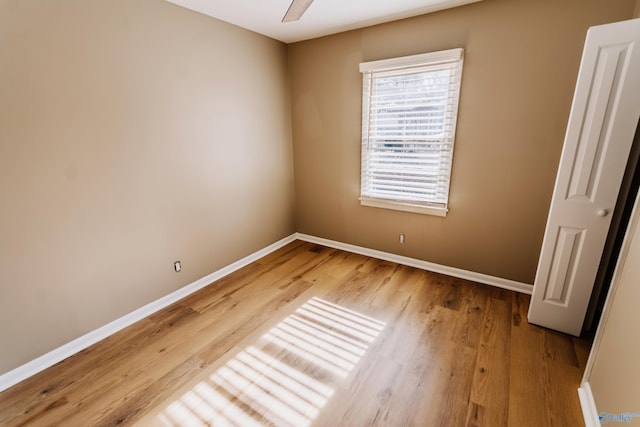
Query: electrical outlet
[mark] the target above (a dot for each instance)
(177, 266)
(401, 237)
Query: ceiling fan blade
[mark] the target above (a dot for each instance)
(297, 8)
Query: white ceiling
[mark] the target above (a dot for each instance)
(322, 18)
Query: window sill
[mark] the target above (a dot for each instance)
(406, 207)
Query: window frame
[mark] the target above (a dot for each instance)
(414, 64)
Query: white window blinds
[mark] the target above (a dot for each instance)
(410, 106)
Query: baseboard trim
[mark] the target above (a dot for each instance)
(49, 359)
(424, 265)
(588, 405)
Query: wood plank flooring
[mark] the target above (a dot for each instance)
(310, 335)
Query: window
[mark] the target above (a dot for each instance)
(410, 105)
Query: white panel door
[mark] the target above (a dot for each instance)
(603, 120)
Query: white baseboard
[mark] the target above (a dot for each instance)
(588, 405)
(424, 265)
(49, 359)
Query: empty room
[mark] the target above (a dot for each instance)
(319, 213)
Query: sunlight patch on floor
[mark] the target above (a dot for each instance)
(286, 377)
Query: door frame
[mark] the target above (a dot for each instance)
(587, 401)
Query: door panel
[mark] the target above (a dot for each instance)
(603, 119)
(563, 269)
(592, 142)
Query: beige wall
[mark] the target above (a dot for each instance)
(521, 63)
(132, 134)
(637, 12)
(615, 373)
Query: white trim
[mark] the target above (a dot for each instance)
(400, 206)
(588, 405)
(430, 58)
(587, 401)
(424, 265)
(632, 229)
(49, 359)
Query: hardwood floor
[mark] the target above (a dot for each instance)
(310, 335)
